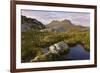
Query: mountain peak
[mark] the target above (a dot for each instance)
(66, 21)
(64, 25)
(31, 23)
(55, 21)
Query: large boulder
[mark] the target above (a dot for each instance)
(52, 49)
(55, 52)
(56, 48)
(61, 45)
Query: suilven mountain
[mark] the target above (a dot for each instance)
(65, 25)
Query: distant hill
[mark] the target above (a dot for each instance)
(55, 25)
(31, 23)
(65, 25)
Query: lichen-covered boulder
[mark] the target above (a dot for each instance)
(56, 48)
(52, 49)
(55, 52)
(61, 46)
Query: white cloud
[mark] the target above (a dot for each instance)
(47, 16)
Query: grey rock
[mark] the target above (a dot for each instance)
(58, 47)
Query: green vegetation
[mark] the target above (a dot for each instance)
(82, 38)
(34, 41)
(35, 36)
(51, 56)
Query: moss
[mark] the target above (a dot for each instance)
(52, 56)
(34, 41)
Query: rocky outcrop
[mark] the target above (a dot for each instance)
(56, 48)
(55, 52)
(30, 23)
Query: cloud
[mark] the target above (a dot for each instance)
(46, 17)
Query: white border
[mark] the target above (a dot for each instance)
(20, 65)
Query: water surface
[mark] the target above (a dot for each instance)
(78, 53)
(75, 53)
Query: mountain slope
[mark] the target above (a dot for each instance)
(30, 23)
(65, 25)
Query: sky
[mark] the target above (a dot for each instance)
(77, 18)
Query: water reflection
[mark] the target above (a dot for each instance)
(78, 53)
(75, 53)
